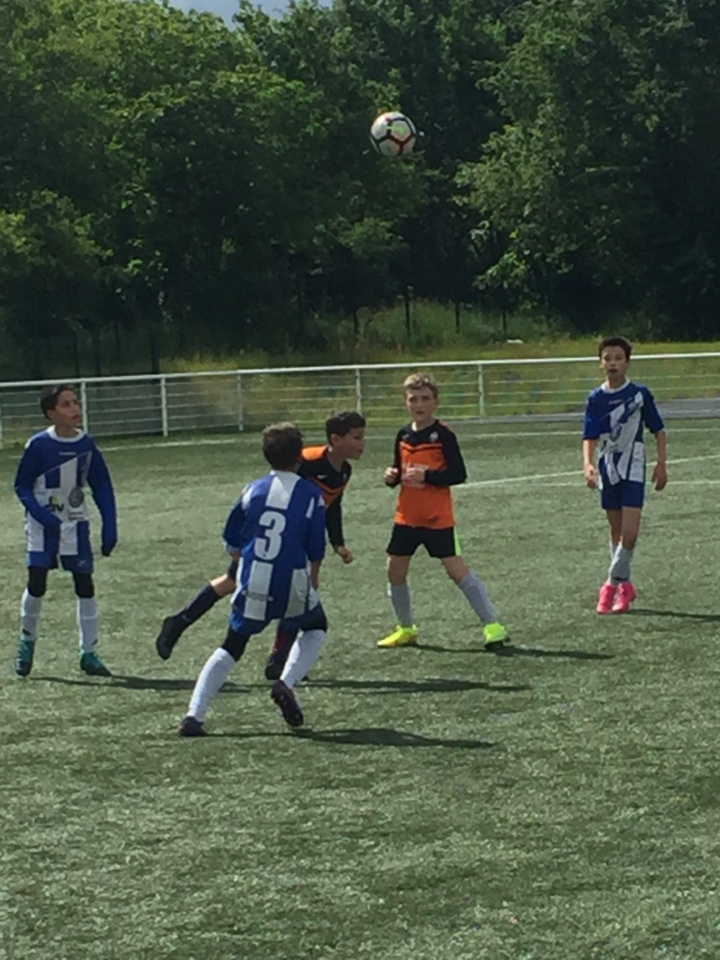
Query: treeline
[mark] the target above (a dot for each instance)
(163, 174)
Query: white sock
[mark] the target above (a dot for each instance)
(402, 604)
(303, 656)
(88, 620)
(620, 566)
(30, 608)
(212, 676)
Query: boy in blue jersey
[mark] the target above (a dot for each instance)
(276, 532)
(54, 469)
(615, 416)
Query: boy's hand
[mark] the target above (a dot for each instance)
(108, 546)
(391, 476)
(591, 475)
(345, 554)
(415, 476)
(659, 476)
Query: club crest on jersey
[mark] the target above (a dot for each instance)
(434, 436)
(76, 498)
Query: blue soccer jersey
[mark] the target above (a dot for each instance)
(616, 419)
(278, 528)
(50, 483)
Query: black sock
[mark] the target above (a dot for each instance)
(203, 601)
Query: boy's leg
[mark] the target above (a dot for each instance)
(88, 619)
(406, 632)
(620, 573)
(30, 609)
(285, 636)
(212, 676)
(205, 599)
(302, 658)
(613, 512)
(475, 591)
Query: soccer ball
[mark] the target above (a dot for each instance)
(393, 134)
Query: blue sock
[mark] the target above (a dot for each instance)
(203, 601)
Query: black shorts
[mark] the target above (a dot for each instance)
(441, 543)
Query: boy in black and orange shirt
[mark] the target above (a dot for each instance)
(427, 463)
(329, 468)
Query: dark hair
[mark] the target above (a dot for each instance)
(622, 342)
(282, 445)
(343, 422)
(51, 395)
(420, 381)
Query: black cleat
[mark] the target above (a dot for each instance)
(170, 633)
(190, 727)
(283, 696)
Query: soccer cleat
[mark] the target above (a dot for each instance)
(624, 597)
(25, 654)
(170, 633)
(91, 664)
(400, 637)
(190, 727)
(283, 696)
(495, 635)
(606, 597)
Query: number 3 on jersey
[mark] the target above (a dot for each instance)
(273, 524)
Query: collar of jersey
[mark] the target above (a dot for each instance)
(52, 433)
(616, 389)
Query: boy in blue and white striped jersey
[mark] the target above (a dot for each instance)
(615, 417)
(276, 531)
(56, 466)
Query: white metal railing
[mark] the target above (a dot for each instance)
(685, 384)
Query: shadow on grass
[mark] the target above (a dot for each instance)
(702, 617)
(136, 683)
(510, 651)
(365, 737)
(430, 685)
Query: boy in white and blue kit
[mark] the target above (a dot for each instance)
(276, 531)
(50, 482)
(616, 415)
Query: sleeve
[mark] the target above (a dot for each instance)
(316, 533)
(29, 469)
(455, 471)
(591, 422)
(232, 534)
(334, 524)
(104, 496)
(651, 414)
(397, 461)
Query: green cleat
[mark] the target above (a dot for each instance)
(25, 654)
(400, 637)
(495, 635)
(91, 664)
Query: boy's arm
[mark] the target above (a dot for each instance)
(393, 474)
(589, 468)
(104, 496)
(659, 474)
(233, 527)
(455, 471)
(334, 525)
(27, 473)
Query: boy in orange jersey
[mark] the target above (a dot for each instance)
(427, 463)
(328, 467)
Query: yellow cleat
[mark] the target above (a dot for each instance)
(495, 634)
(400, 637)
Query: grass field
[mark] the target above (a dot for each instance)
(560, 801)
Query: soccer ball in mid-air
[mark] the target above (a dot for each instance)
(393, 134)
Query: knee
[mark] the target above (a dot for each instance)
(37, 581)
(84, 586)
(235, 644)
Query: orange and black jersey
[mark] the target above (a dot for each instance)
(316, 466)
(436, 448)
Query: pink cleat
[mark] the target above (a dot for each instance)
(624, 597)
(606, 596)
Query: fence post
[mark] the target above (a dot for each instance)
(1, 427)
(241, 408)
(358, 390)
(481, 391)
(83, 401)
(164, 404)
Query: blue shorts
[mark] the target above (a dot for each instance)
(314, 619)
(80, 563)
(625, 493)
